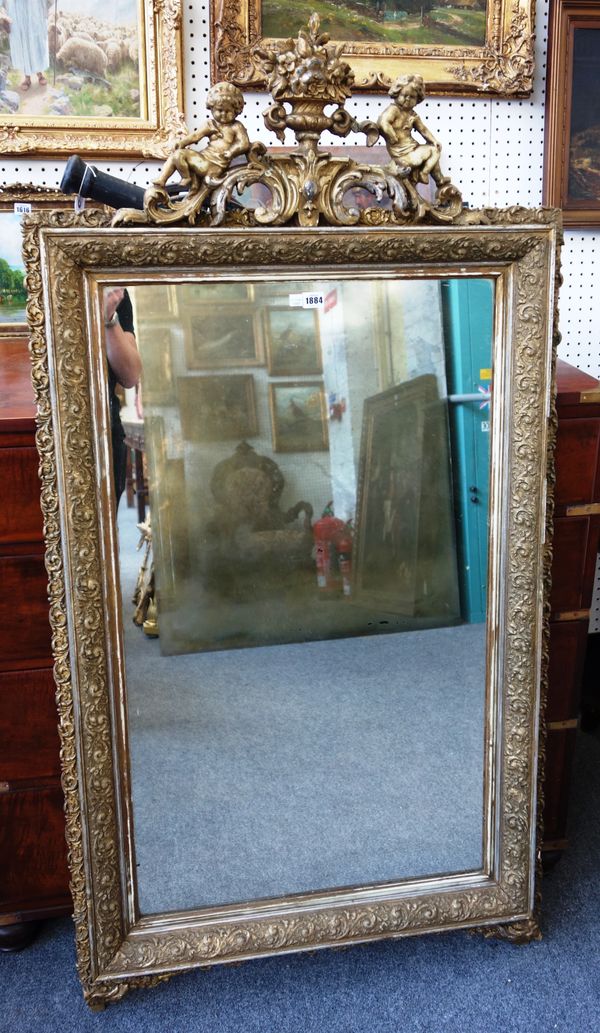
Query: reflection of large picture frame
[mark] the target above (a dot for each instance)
(293, 342)
(202, 292)
(404, 555)
(110, 82)
(217, 408)
(489, 48)
(13, 296)
(572, 157)
(298, 416)
(222, 334)
(154, 303)
(155, 345)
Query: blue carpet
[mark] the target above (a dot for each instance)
(451, 983)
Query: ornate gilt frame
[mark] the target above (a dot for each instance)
(150, 136)
(503, 67)
(68, 260)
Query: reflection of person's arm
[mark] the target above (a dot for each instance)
(121, 346)
(123, 356)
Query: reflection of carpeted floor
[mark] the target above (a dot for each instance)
(444, 983)
(276, 770)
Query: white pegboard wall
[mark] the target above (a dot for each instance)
(493, 151)
(579, 320)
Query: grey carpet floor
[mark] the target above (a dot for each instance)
(450, 983)
(275, 770)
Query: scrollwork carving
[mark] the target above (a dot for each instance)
(305, 77)
(507, 67)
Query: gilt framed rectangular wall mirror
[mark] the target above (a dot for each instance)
(322, 727)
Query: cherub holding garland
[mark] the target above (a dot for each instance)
(396, 124)
(227, 140)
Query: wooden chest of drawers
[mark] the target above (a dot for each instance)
(576, 539)
(34, 880)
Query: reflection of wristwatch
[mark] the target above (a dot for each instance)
(114, 319)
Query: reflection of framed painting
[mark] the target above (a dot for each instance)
(221, 335)
(572, 158)
(217, 408)
(154, 302)
(95, 78)
(404, 555)
(155, 347)
(207, 292)
(13, 296)
(293, 344)
(299, 416)
(464, 47)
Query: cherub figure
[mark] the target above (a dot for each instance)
(396, 125)
(227, 139)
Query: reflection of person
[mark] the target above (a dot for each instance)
(29, 38)
(227, 139)
(397, 123)
(124, 367)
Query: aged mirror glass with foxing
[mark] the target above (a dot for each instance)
(297, 573)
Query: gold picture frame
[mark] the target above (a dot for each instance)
(108, 95)
(70, 261)
(502, 63)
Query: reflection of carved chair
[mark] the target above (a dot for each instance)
(249, 542)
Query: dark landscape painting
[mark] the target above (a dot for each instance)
(584, 151)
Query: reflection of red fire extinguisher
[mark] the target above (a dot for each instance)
(325, 531)
(343, 545)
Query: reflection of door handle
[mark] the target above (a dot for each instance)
(481, 396)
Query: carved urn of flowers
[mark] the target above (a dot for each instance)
(309, 76)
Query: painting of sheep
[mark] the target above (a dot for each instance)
(71, 58)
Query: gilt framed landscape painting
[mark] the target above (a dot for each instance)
(16, 200)
(459, 46)
(95, 78)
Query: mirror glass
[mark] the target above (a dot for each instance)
(303, 561)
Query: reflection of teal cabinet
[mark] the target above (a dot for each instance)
(468, 307)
